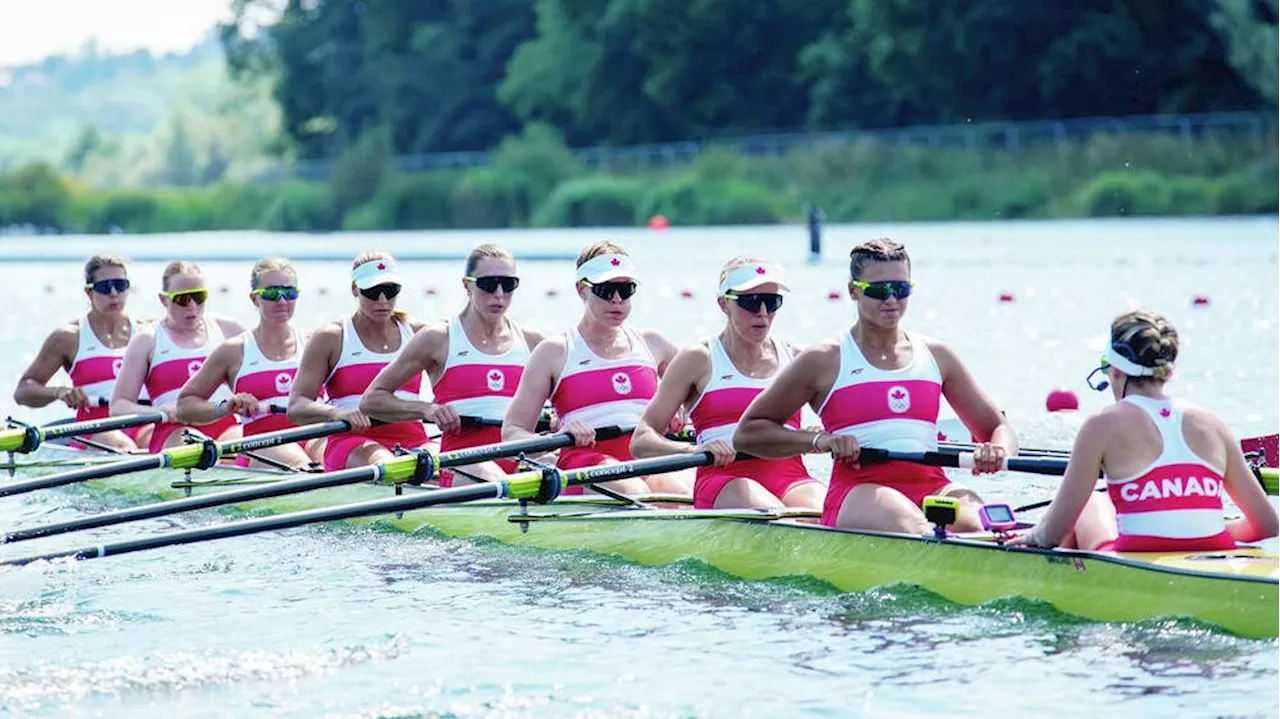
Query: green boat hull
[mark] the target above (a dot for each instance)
(1236, 591)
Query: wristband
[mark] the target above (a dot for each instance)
(221, 408)
(816, 437)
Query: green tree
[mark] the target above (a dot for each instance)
(1248, 29)
(88, 143)
(180, 162)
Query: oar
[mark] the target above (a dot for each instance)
(964, 460)
(27, 439)
(417, 466)
(1264, 447)
(538, 485)
(199, 455)
(1269, 477)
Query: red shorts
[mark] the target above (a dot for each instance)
(468, 438)
(212, 430)
(913, 480)
(618, 448)
(778, 476)
(337, 451)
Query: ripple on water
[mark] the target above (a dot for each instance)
(43, 683)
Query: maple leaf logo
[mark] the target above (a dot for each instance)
(382, 265)
(615, 262)
(898, 394)
(1165, 413)
(942, 436)
(495, 374)
(759, 270)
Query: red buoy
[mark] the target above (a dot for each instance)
(551, 292)
(834, 295)
(1060, 400)
(659, 222)
(1199, 301)
(686, 293)
(1006, 297)
(430, 292)
(224, 290)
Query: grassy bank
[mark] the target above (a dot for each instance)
(534, 181)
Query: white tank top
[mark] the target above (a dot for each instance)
(716, 412)
(358, 365)
(603, 392)
(478, 384)
(172, 366)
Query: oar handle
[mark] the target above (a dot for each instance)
(964, 460)
(106, 402)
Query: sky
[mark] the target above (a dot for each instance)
(33, 29)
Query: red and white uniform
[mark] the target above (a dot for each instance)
(94, 369)
(171, 367)
(886, 409)
(1175, 504)
(269, 381)
(715, 415)
(356, 368)
(478, 384)
(603, 392)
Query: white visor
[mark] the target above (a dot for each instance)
(376, 272)
(749, 277)
(1128, 366)
(603, 268)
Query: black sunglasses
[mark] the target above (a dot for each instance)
(491, 283)
(752, 303)
(105, 287)
(605, 290)
(388, 290)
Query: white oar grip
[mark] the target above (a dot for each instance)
(965, 461)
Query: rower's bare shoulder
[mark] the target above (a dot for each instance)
(532, 337)
(820, 354)
(551, 349)
(328, 337)
(66, 336)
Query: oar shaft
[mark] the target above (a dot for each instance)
(277, 522)
(183, 457)
(205, 501)
(27, 439)
(523, 485)
(61, 479)
(403, 467)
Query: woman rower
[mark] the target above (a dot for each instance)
(91, 350)
(1166, 462)
(165, 356)
(344, 356)
(474, 362)
(258, 366)
(880, 387)
(716, 380)
(599, 373)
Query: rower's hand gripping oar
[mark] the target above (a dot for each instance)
(414, 466)
(541, 484)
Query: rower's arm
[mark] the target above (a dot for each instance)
(55, 354)
(133, 373)
(663, 350)
(1077, 482)
(678, 386)
(379, 400)
(984, 420)
(318, 359)
(194, 406)
(1259, 521)
(230, 328)
(536, 382)
(762, 431)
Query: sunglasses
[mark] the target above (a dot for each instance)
(277, 292)
(184, 298)
(752, 303)
(605, 290)
(105, 287)
(388, 290)
(492, 283)
(897, 289)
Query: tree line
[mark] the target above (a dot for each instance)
(463, 74)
